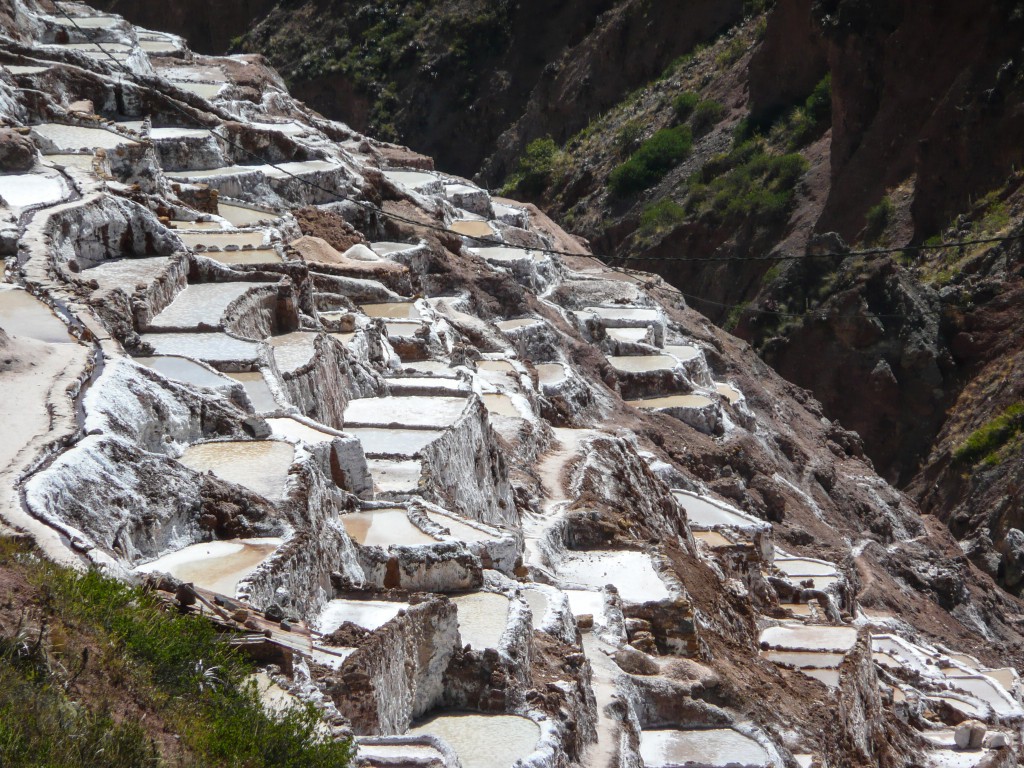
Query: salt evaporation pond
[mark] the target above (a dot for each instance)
(25, 190)
(460, 530)
(683, 352)
(470, 228)
(397, 477)
(411, 179)
(384, 528)
(709, 514)
(385, 248)
(501, 405)
(259, 393)
(503, 254)
(409, 412)
(672, 401)
(74, 138)
(293, 429)
(484, 741)
(200, 305)
(368, 614)
(627, 335)
(631, 572)
(585, 602)
(729, 392)
(293, 350)
(215, 565)
(522, 322)
(483, 617)
(665, 748)
(208, 347)
(810, 638)
(184, 370)
(394, 442)
(25, 316)
(243, 216)
(397, 310)
(222, 239)
(202, 90)
(643, 363)
(550, 373)
(259, 465)
(254, 256)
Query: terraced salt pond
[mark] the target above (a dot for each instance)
(484, 741)
(394, 442)
(293, 429)
(483, 617)
(539, 604)
(798, 569)
(706, 513)
(643, 363)
(261, 466)
(388, 527)
(293, 350)
(500, 254)
(184, 370)
(729, 392)
(522, 322)
(25, 190)
(25, 316)
(368, 614)
(810, 638)
(256, 387)
(74, 138)
(200, 306)
(663, 748)
(398, 310)
(401, 477)
(243, 216)
(684, 353)
(222, 239)
(501, 405)
(672, 401)
(215, 565)
(404, 412)
(459, 529)
(632, 573)
(208, 347)
(550, 374)
(247, 256)
(412, 179)
(202, 90)
(471, 228)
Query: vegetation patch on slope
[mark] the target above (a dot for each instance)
(986, 443)
(94, 672)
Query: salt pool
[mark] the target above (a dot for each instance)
(261, 466)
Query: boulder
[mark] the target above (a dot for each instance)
(969, 734)
(17, 152)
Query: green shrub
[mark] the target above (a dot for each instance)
(684, 104)
(649, 164)
(177, 666)
(534, 169)
(984, 443)
(732, 53)
(746, 183)
(706, 115)
(629, 135)
(662, 216)
(878, 218)
(810, 120)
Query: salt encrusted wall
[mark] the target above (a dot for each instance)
(465, 470)
(398, 674)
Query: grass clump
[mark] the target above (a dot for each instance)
(706, 115)
(651, 161)
(984, 444)
(747, 183)
(662, 216)
(684, 104)
(176, 670)
(810, 120)
(534, 170)
(878, 218)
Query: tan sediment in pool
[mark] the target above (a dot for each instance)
(259, 465)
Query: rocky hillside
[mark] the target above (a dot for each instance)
(316, 455)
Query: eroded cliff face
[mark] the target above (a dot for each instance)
(420, 452)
